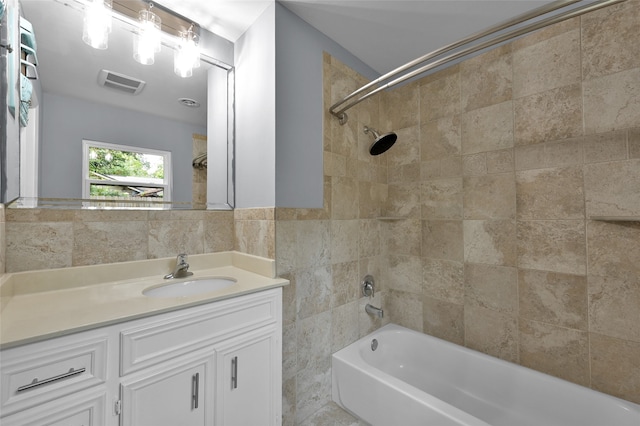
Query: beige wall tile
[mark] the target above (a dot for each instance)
(615, 366)
(553, 298)
(218, 231)
(442, 199)
(406, 150)
(404, 273)
(401, 108)
(548, 116)
(344, 203)
(440, 138)
(444, 320)
(41, 245)
(528, 157)
(443, 280)
(39, 215)
(500, 161)
(313, 243)
(491, 287)
(255, 237)
(344, 240)
(558, 351)
(344, 325)
(550, 193)
(346, 283)
(440, 97)
(313, 291)
(490, 197)
(490, 242)
(552, 245)
(613, 307)
(613, 249)
(109, 242)
(634, 142)
(549, 64)
(372, 198)
(170, 237)
(611, 189)
(404, 309)
(605, 147)
(612, 102)
(402, 236)
(442, 239)
(491, 332)
(486, 79)
(488, 129)
(404, 200)
(474, 164)
(567, 152)
(370, 238)
(451, 166)
(609, 39)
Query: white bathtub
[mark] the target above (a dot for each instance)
(416, 379)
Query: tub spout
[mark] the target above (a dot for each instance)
(372, 310)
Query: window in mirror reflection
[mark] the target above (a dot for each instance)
(120, 172)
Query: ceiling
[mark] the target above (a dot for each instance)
(384, 34)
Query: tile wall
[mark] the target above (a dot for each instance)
(59, 238)
(501, 162)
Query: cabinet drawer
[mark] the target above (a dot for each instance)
(37, 373)
(158, 340)
(87, 408)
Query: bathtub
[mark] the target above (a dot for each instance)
(415, 379)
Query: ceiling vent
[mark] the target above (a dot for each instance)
(121, 82)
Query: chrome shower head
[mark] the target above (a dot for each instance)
(381, 143)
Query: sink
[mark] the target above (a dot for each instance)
(189, 288)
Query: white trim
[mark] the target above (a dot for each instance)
(86, 181)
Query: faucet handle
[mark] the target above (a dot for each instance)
(182, 258)
(368, 286)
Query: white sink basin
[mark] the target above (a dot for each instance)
(189, 288)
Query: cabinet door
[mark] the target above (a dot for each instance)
(247, 380)
(174, 393)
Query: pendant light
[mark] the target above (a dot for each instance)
(97, 24)
(146, 43)
(186, 56)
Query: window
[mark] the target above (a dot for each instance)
(120, 172)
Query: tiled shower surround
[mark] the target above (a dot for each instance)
(476, 224)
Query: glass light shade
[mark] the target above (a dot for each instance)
(97, 24)
(186, 57)
(146, 43)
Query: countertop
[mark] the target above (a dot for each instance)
(39, 305)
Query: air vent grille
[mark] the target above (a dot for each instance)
(120, 82)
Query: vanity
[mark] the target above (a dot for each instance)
(88, 346)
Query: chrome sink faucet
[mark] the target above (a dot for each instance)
(182, 268)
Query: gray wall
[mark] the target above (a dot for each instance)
(67, 121)
(299, 48)
(255, 113)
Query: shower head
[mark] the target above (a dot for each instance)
(381, 143)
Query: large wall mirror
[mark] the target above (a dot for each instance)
(170, 114)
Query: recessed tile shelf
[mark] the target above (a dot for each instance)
(391, 218)
(616, 218)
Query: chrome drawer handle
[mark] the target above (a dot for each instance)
(234, 372)
(35, 383)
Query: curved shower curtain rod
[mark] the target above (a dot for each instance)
(339, 109)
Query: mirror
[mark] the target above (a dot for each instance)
(71, 106)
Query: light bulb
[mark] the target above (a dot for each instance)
(97, 24)
(147, 42)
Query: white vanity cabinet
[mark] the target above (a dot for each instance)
(213, 364)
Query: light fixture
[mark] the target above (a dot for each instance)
(186, 57)
(97, 23)
(146, 43)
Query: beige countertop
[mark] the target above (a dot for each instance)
(39, 305)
